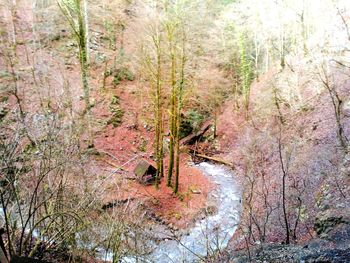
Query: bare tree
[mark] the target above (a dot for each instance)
(336, 103)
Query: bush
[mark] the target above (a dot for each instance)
(190, 123)
(121, 74)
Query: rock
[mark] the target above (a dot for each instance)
(196, 191)
(324, 224)
(71, 44)
(145, 172)
(346, 108)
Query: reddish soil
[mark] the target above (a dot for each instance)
(127, 144)
(179, 209)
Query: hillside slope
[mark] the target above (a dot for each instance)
(292, 131)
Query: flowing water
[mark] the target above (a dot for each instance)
(211, 233)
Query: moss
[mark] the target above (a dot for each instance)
(324, 225)
(3, 113)
(178, 216)
(4, 99)
(115, 100)
(116, 118)
(117, 112)
(4, 74)
(143, 145)
(121, 74)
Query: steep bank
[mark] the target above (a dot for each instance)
(305, 148)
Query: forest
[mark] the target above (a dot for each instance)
(174, 131)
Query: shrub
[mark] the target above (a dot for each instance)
(121, 74)
(191, 122)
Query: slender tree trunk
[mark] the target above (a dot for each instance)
(83, 58)
(87, 37)
(161, 173)
(282, 47)
(245, 73)
(283, 167)
(173, 114)
(178, 113)
(84, 78)
(14, 28)
(215, 122)
(79, 29)
(177, 143)
(257, 54)
(337, 105)
(159, 140)
(267, 58)
(284, 177)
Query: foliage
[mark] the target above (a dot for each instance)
(191, 122)
(121, 74)
(245, 70)
(143, 145)
(195, 118)
(117, 112)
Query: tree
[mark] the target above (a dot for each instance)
(175, 27)
(245, 71)
(181, 87)
(170, 31)
(75, 12)
(336, 100)
(159, 110)
(153, 65)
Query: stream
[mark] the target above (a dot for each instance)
(209, 234)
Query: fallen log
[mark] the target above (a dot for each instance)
(210, 158)
(215, 159)
(193, 138)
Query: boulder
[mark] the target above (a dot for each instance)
(145, 172)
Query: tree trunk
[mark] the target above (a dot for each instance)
(87, 38)
(177, 143)
(284, 176)
(173, 114)
(159, 139)
(178, 113)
